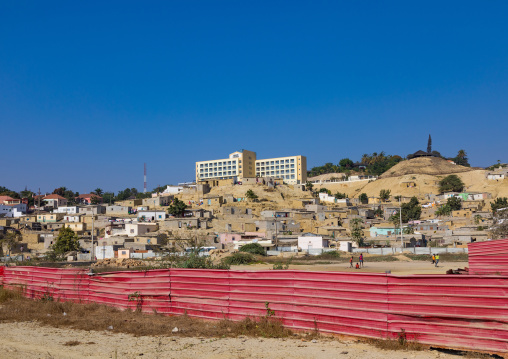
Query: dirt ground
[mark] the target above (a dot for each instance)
(401, 267)
(28, 340)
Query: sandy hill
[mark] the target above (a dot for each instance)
(433, 166)
(326, 177)
(475, 181)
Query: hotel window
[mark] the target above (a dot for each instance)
(292, 160)
(287, 161)
(292, 166)
(276, 162)
(292, 176)
(272, 162)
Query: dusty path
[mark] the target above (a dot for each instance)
(398, 267)
(30, 341)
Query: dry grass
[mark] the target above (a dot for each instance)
(393, 344)
(444, 257)
(99, 317)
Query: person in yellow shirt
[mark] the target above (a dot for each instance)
(437, 259)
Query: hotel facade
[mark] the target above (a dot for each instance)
(243, 164)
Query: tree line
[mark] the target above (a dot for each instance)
(377, 163)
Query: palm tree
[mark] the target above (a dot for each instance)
(462, 154)
(98, 191)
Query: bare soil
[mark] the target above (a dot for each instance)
(30, 340)
(396, 267)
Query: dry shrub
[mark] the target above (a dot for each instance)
(7, 295)
(72, 343)
(100, 317)
(393, 344)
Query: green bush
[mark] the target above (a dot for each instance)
(253, 248)
(197, 262)
(239, 258)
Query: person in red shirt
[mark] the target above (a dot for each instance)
(351, 262)
(357, 266)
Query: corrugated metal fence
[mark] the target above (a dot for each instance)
(451, 311)
(489, 257)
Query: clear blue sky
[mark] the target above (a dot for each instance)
(89, 91)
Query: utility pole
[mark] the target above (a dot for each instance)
(92, 252)
(400, 215)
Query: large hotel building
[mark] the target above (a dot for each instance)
(243, 164)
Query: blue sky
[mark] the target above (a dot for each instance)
(90, 91)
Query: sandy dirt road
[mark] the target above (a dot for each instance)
(31, 341)
(399, 267)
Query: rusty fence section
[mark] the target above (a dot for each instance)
(468, 312)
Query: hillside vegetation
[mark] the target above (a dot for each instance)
(434, 166)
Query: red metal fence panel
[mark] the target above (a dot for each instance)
(200, 293)
(451, 311)
(489, 257)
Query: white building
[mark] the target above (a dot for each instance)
(500, 174)
(325, 197)
(55, 201)
(13, 210)
(68, 210)
(310, 241)
(72, 217)
(152, 215)
(173, 190)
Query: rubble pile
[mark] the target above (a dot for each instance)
(119, 262)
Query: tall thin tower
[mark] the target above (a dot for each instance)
(144, 184)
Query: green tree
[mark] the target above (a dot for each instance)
(30, 196)
(499, 203)
(98, 191)
(410, 211)
(253, 248)
(108, 197)
(451, 183)
(66, 241)
(251, 195)
(95, 200)
(444, 210)
(356, 228)
(309, 186)
(346, 163)
(363, 198)
(384, 194)
(455, 203)
(461, 159)
(340, 195)
(177, 208)
(4, 191)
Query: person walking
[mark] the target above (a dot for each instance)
(361, 260)
(433, 259)
(351, 262)
(437, 259)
